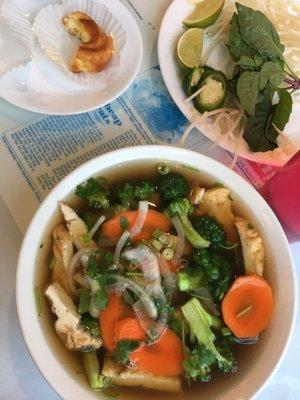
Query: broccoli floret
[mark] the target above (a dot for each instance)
(95, 192)
(128, 192)
(172, 186)
(144, 190)
(182, 208)
(230, 363)
(125, 193)
(97, 381)
(217, 272)
(90, 325)
(190, 280)
(200, 323)
(211, 230)
(198, 363)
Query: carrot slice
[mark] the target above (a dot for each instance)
(247, 306)
(112, 228)
(129, 328)
(114, 312)
(164, 357)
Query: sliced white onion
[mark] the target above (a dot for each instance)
(181, 240)
(123, 283)
(76, 262)
(119, 247)
(147, 261)
(168, 275)
(96, 226)
(153, 329)
(140, 219)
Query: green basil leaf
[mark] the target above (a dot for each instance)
(246, 63)
(255, 129)
(281, 115)
(237, 46)
(251, 63)
(247, 90)
(258, 32)
(271, 73)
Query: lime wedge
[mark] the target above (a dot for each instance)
(189, 48)
(205, 14)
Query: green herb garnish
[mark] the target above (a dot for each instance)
(37, 301)
(124, 349)
(124, 224)
(52, 263)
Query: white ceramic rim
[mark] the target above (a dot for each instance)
(138, 56)
(28, 319)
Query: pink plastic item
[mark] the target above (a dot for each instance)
(282, 192)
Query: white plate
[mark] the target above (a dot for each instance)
(170, 31)
(42, 86)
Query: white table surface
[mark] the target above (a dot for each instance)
(20, 379)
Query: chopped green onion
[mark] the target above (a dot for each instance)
(157, 244)
(84, 300)
(168, 253)
(124, 222)
(86, 238)
(186, 166)
(163, 168)
(37, 301)
(134, 274)
(52, 263)
(250, 226)
(166, 240)
(157, 233)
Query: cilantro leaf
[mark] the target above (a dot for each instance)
(124, 349)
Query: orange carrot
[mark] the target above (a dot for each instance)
(112, 228)
(129, 328)
(114, 312)
(164, 357)
(247, 306)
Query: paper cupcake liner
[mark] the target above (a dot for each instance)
(12, 53)
(18, 14)
(60, 46)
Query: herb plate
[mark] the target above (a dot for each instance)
(170, 31)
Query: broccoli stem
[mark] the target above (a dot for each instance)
(191, 234)
(92, 369)
(200, 323)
